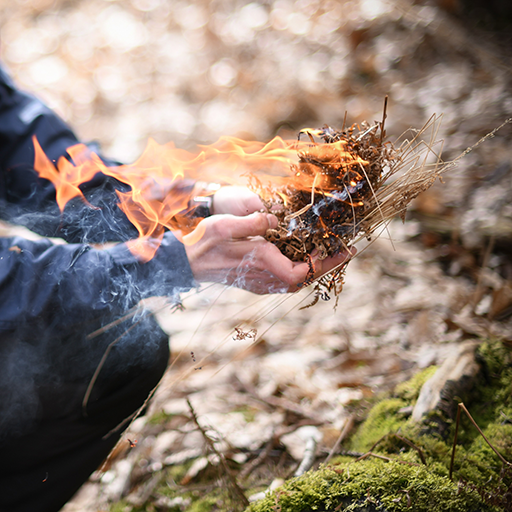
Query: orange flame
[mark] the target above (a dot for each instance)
(155, 201)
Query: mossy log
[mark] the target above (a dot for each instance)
(404, 464)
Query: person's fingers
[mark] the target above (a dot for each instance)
(236, 201)
(287, 271)
(252, 204)
(326, 265)
(256, 224)
(233, 251)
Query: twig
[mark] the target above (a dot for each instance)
(490, 135)
(309, 455)
(251, 466)
(384, 116)
(100, 366)
(307, 207)
(388, 459)
(237, 491)
(463, 408)
(408, 442)
(115, 323)
(455, 442)
(274, 439)
(349, 424)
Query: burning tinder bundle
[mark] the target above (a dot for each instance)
(344, 187)
(325, 204)
(347, 185)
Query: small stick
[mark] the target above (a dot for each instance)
(384, 116)
(248, 468)
(388, 459)
(404, 440)
(463, 408)
(490, 135)
(412, 445)
(99, 367)
(109, 326)
(343, 434)
(309, 456)
(367, 131)
(377, 442)
(307, 207)
(231, 478)
(455, 442)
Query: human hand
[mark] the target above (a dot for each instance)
(238, 201)
(232, 251)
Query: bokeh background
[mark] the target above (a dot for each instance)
(192, 71)
(123, 71)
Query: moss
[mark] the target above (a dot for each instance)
(402, 482)
(480, 481)
(382, 420)
(391, 486)
(410, 389)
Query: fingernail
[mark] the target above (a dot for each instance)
(272, 221)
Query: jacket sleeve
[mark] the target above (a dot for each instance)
(42, 283)
(67, 282)
(29, 200)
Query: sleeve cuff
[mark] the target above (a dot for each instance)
(167, 274)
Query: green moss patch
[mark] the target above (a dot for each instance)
(409, 470)
(372, 485)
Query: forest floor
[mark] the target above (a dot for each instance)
(263, 375)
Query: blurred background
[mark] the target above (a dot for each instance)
(189, 72)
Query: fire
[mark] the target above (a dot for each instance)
(330, 192)
(155, 200)
(158, 195)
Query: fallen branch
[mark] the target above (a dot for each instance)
(309, 454)
(349, 425)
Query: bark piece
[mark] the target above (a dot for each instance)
(439, 395)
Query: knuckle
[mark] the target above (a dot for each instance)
(261, 223)
(219, 229)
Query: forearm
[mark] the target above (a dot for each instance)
(66, 285)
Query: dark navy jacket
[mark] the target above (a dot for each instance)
(42, 283)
